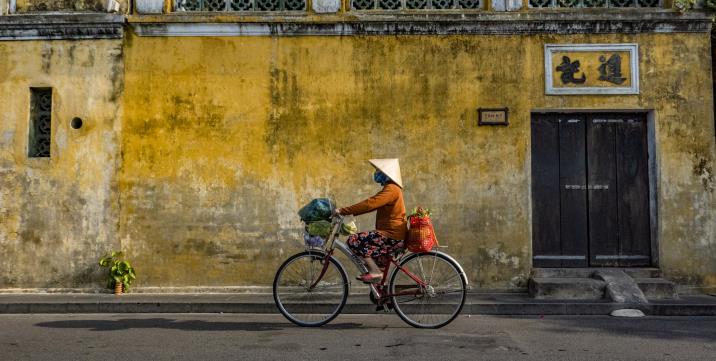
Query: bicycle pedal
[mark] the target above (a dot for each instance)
(383, 308)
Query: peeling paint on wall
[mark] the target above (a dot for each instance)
(703, 169)
(58, 214)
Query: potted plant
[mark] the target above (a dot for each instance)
(121, 273)
(683, 6)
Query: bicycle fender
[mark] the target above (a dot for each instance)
(459, 266)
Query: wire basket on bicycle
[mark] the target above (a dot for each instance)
(319, 224)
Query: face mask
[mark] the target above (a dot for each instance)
(380, 177)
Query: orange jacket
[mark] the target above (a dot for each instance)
(390, 219)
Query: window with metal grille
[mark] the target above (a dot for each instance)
(40, 122)
(595, 3)
(415, 4)
(241, 5)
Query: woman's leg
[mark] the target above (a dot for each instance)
(364, 245)
(373, 268)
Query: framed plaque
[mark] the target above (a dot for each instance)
(492, 116)
(591, 69)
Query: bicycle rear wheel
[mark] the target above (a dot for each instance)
(436, 303)
(305, 305)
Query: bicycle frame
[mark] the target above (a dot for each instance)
(377, 290)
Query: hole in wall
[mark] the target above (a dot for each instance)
(76, 123)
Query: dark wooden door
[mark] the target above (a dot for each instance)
(590, 190)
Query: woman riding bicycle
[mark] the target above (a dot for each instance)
(311, 287)
(390, 223)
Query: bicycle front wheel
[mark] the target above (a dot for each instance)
(435, 303)
(306, 294)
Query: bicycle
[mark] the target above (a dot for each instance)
(426, 290)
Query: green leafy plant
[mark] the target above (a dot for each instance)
(711, 5)
(119, 270)
(420, 212)
(683, 6)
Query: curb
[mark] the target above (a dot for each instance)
(520, 309)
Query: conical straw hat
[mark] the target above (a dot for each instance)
(391, 168)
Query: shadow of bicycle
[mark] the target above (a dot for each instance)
(172, 324)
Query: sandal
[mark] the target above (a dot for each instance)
(369, 278)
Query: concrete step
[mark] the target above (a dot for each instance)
(620, 287)
(587, 272)
(549, 288)
(657, 288)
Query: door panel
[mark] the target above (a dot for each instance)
(573, 195)
(602, 190)
(545, 192)
(633, 187)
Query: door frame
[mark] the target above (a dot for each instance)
(653, 162)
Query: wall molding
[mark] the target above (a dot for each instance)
(50, 26)
(57, 26)
(483, 23)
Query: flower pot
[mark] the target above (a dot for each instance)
(118, 288)
(149, 6)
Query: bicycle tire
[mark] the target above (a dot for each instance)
(308, 304)
(416, 314)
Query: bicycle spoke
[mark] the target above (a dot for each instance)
(459, 290)
(453, 277)
(306, 305)
(432, 272)
(422, 272)
(439, 301)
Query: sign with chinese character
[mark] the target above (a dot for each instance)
(591, 69)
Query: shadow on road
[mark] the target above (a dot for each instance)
(191, 325)
(664, 328)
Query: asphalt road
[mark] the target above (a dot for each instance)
(352, 337)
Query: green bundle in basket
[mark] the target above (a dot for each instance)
(320, 228)
(318, 209)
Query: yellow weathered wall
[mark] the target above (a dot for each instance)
(196, 153)
(223, 139)
(59, 215)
